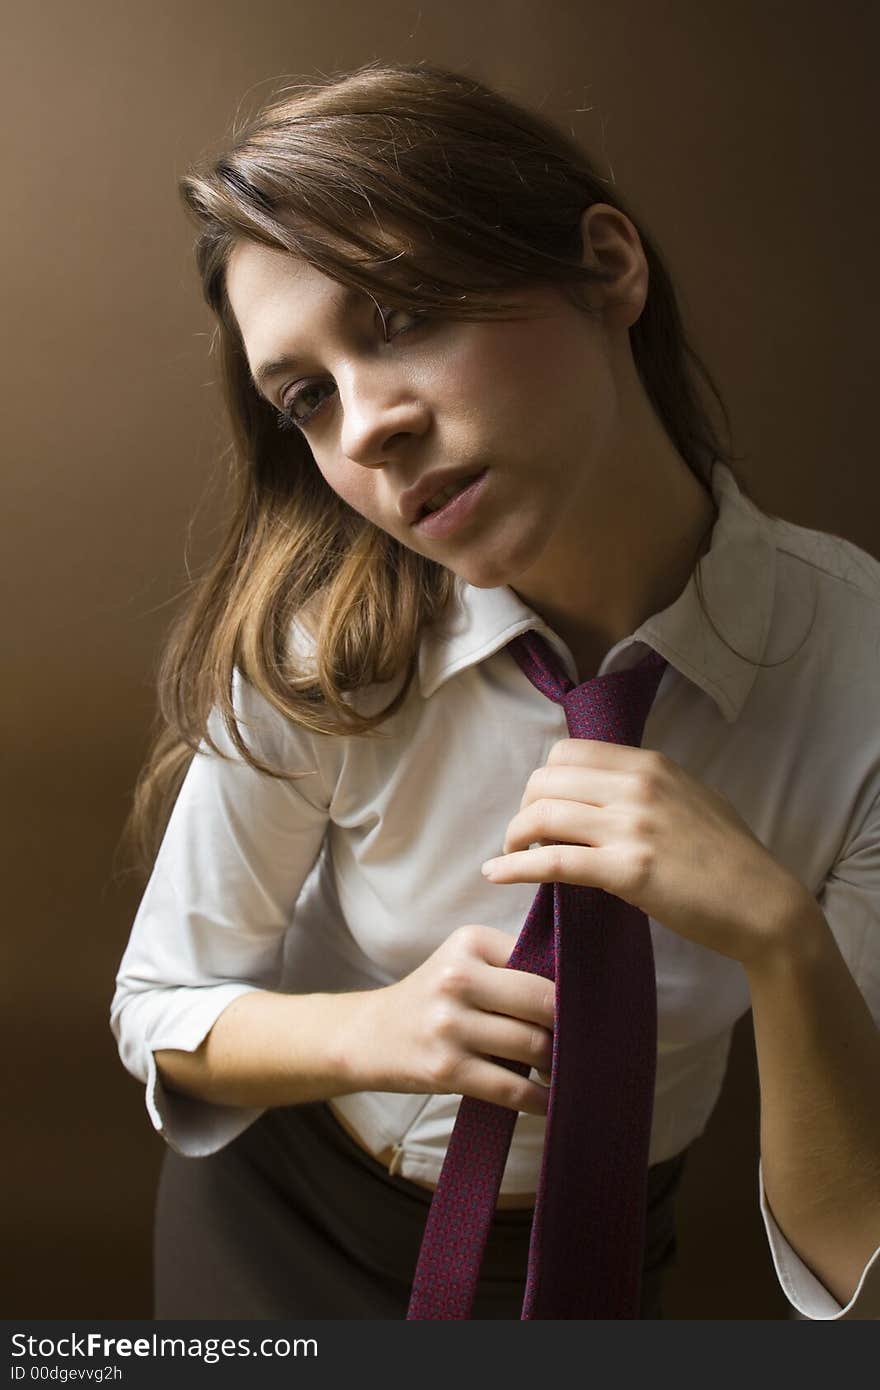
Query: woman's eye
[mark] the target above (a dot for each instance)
(297, 410)
(291, 415)
(388, 315)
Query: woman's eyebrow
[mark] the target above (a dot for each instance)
(261, 376)
(264, 374)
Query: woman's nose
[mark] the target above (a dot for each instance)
(377, 420)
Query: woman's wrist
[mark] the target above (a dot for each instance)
(357, 1041)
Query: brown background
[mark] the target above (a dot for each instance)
(741, 135)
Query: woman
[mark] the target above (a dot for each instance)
(489, 428)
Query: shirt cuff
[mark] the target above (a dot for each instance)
(191, 1127)
(801, 1287)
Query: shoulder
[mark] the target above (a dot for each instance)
(841, 566)
(303, 655)
(270, 735)
(823, 647)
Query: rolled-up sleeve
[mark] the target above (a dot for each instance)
(850, 901)
(212, 921)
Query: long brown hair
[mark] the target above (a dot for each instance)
(425, 187)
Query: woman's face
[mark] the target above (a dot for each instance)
(527, 407)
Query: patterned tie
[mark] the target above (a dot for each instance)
(588, 1230)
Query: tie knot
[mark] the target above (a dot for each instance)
(613, 707)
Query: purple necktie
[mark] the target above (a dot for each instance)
(588, 1230)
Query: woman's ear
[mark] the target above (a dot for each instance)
(612, 244)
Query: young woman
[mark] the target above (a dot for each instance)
(464, 409)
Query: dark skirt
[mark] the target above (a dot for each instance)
(294, 1220)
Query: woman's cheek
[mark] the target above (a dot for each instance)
(353, 488)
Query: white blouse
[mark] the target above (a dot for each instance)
(352, 875)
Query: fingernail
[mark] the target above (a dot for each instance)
(489, 867)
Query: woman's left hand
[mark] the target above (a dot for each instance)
(632, 822)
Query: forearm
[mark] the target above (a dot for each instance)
(818, 1053)
(270, 1049)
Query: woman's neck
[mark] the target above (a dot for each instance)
(613, 568)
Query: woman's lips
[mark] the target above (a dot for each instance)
(454, 513)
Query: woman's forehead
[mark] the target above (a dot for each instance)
(251, 264)
(254, 269)
(269, 289)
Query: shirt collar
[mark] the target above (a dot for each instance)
(717, 651)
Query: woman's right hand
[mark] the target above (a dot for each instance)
(434, 1031)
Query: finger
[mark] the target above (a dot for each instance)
(515, 994)
(475, 942)
(485, 980)
(566, 782)
(493, 1035)
(556, 821)
(595, 752)
(553, 864)
(486, 1080)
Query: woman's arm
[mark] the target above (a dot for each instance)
(635, 823)
(216, 912)
(269, 1049)
(818, 1052)
(432, 1032)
